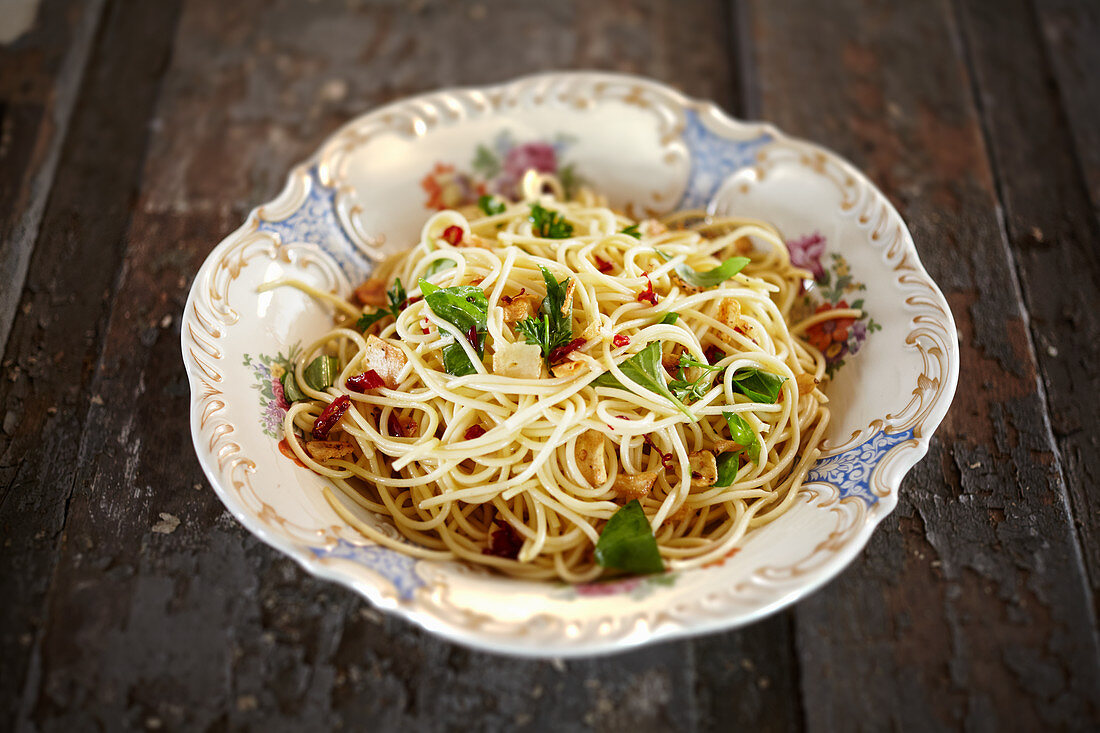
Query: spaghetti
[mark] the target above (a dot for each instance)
(550, 363)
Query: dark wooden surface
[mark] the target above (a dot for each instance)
(134, 135)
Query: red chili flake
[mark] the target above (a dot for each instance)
(367, 380)
(558, 355)
(471, 336)
(666, 458)
(399, 428)
(507, 299)
(620, 340)
(453, 235)
(622, 417)
(424, 328)
(474, 431)
(330, 416)
(503, 542)
(647, 294)
(603, 265)
(714, 354)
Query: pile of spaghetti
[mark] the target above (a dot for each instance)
(552, 389)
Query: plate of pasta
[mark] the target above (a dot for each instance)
(567, 365)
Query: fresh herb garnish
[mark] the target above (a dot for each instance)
(670, 318)
(466, 308)
(645, 370)
(627, 542)
(757, 385)
(632, 231)
(691, 390)
(729, 462)
(549, 224)
(491, 205)
(742, 434)
(551, 329)
(439, 266)
(320, 372)
(290, 387)
(397, 297)
(709, 278)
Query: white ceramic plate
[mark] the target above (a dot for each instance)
(651, 150)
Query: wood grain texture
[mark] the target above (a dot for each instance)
(1053, 235)
(56, 338)
(1070, 29)
(40, 73)
(969, 608)
(205, 627)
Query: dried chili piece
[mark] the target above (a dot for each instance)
(620, 340)
(474, 431)
(557, 355)
(330, 416)
(504, 541)
(603, 265)
(648, 295)
(369, 379)
(666, 458)
(453, 235)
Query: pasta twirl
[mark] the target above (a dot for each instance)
(538, 365)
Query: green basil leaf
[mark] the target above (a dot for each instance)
(456, 361)
(645, 370)
(466, 308)
(290, 387)
(757, 385)
(439, 266)
(463, 306)
(728, 464)
(743, 434)
(490, 205)
(708, 278)
(670, 318)
(320, 372)
(627, 542)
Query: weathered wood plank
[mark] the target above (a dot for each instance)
(40, 73)
(1052, 232)
(205, 627)
(1071, 29)
(55, 340)
(969, 607)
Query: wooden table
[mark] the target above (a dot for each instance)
(135, 135)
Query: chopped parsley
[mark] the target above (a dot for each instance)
(398, 299)
(549, 224)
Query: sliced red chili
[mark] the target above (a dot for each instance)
(558, 355)
(453, 235)
(471, 336)
(648, 295)
(603, 265)
(666, 458)
(369, 379)
(507, 299)
(474, 431)
(400, 428)
(620, 340)
(714, 354)
(504, 541)
(330, 416)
